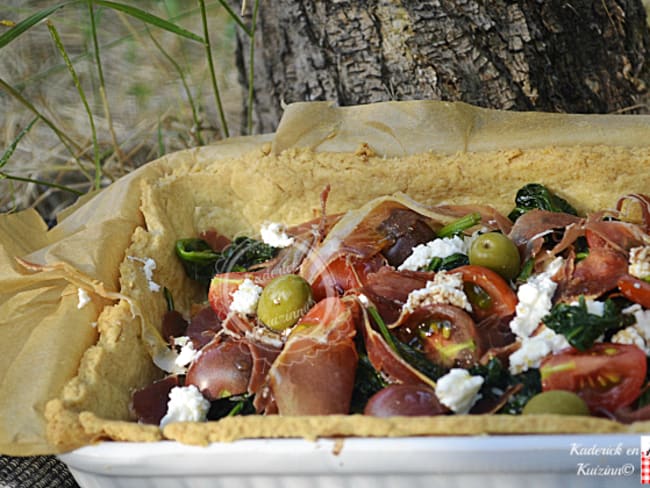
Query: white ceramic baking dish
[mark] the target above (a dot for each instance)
(528, 461)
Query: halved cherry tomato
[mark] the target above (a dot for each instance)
(488, 292)
(446, 334)
(607, 376)
(635, 289)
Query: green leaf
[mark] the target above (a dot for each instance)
(535, 196)
(150, 19)
(582, 328)
(446, 264)
(26, 24)
(497, 380)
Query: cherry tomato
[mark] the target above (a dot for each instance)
(607, 376)
(488, 292)
(635, 289)
(446, 334)
(405, 400)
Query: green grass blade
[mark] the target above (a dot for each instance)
(80, 57)
(150, 19)
(190, 98)
(14, 144)
(233, 15)
(213, 76)
(49, 184)
(82, 95)
(102, 83)
(26, 24)
(251, 68)
(72, 147)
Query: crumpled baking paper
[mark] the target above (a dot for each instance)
(54, 283)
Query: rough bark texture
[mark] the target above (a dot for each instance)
(559, 56)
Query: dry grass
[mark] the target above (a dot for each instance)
(149, 110)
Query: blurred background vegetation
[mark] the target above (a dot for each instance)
(155, 93)
(70, 124)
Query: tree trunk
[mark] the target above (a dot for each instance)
(558, 56)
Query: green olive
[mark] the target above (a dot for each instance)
(558, 402)
(283, 301)
(495, 251)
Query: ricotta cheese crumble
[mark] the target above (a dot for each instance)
(186, 404)
(422, 254)
(637, 333)
(639, 266)
(445, 288)
(275, 234)
(245, 297)
(534, 300)
(458, 390)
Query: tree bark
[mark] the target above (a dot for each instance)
(557, 56)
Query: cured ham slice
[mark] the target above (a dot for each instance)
(376, 229)
(643, 203)
(314, 373)
(619, 236)
(529, 230)
(596, 274)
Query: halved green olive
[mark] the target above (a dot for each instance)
(495, 251)
(556, 401)
(283, 301)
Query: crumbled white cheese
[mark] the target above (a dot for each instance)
(639, 264)
(148, 268)
(534, 300)
(458, 390)
(638, 333)
(245, 298)
(630, 335)
(422, 254)
(186, 404)
(275, 234)
(533, 349)
(83, 298)
(445, 288)
(642, 318)
(176, 359)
